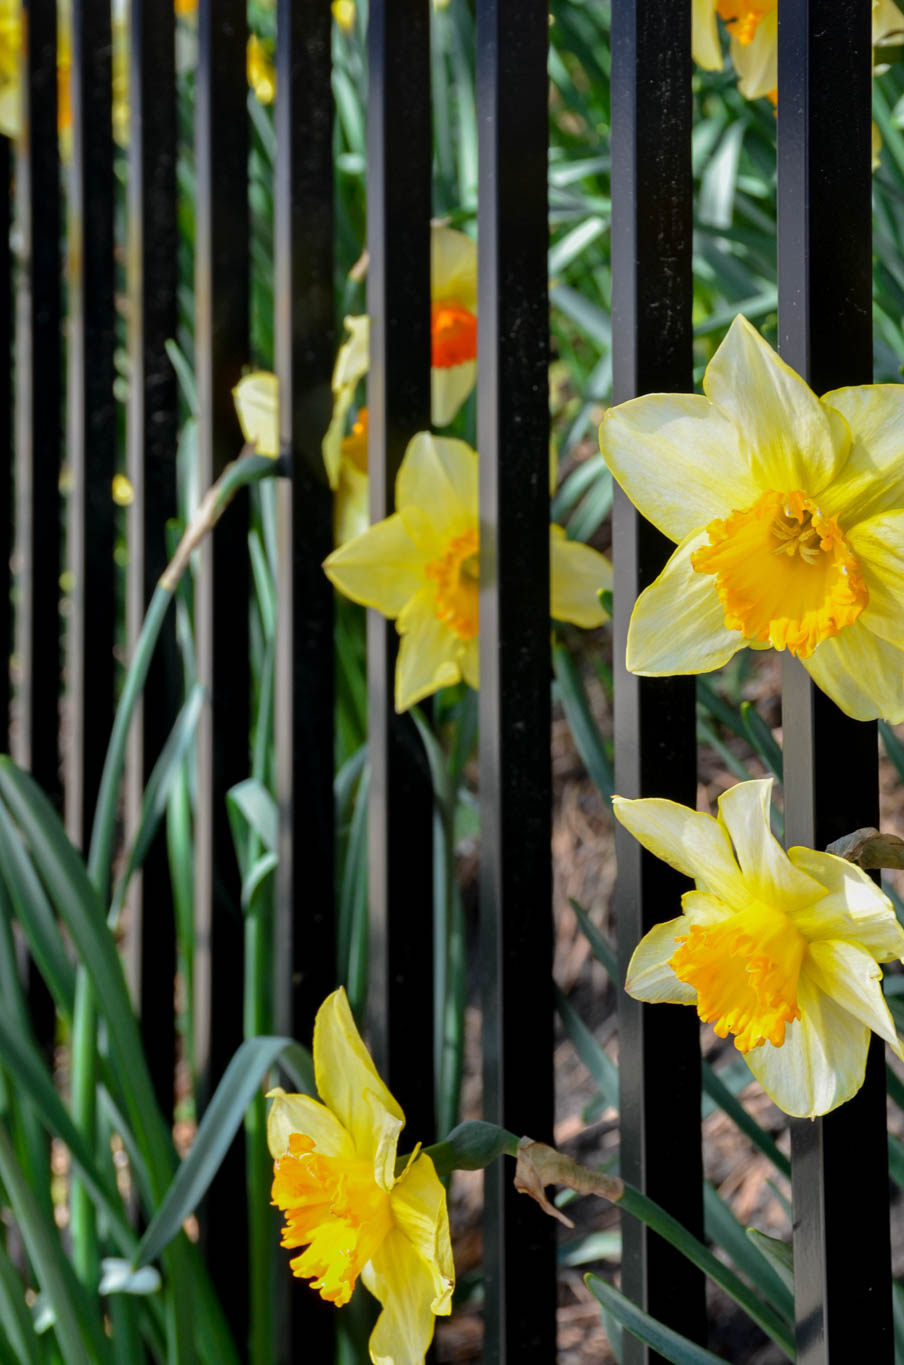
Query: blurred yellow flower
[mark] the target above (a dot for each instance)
(260, 71)
(753, 28)
(344, 14)
(335, 1178)
(122, 491)
(779, 949)
(256, 399)
(421, 567)
(453, 341)
(788, 511)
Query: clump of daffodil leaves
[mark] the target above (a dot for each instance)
(421, 567)
(788, 511)
(780, 950)
(335, 1180)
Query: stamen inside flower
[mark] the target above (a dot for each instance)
(457, 578)
(745, 971)
(743, 17)
(785, 574)
(334, 1207)
(453, 332)
(354, 445)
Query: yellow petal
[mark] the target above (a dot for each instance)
(822, 1061)
(436, 489)
(744, 812)
(302, 1114)
(705, 45)
(649, 975)
(863, 674)
(793, 442)
(852, 977)
(351, 509)
(879, 547)
(256, 400)
(453, 266)
(757, 63)
(678, 623)
(470, 663)
(700, 907)
(352, 364)
(855, 908)
(888, 22)
(450, 385)
(678, 459)
(404, 1284)
(577, 574)
(872, 478)
(430, 655)
(349, 1084)
(688, 840)
(419, 1211)
(383, 568)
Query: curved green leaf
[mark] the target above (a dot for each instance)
(669, 1343)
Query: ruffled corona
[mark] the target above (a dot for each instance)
(457, 578)
(333, 1207)
(743, 18)
(453, 334)
(785, 574)
(745, 972)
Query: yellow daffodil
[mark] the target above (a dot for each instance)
(781, 950)
(259, 69)
(453, 341)
(421, 567)
(11, 60)
(788, 511)
(257, 404)
(336, 1180)
(344, 14)
(753, 26)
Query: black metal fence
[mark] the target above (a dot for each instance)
(842, 1262)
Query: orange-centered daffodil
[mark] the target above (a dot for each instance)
(753, 29)
(779, 950)
(421, 567)
(355, 1217)
(788, 511)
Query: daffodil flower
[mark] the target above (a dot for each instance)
(453, 341)
(781, 950)
(788, 511)
(336, 1180)
(421, 567)
(260, 72)
(256, 399)
(753, 26)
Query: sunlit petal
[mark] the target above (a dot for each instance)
(879, 546)
(347, 1080)
(705, 45)
(438, 480)
(453, 266)
(678, 459)
(678, 623)
(450, 386)
(257, 404)
(872, 478)
(862, 673)
(430, 655)
(577, 574)
(852, 977)
(757, 62)
(383, 568)
(419, 1210)
(686, 839)
(649, 975)
(855, 908)
(302, 1114)
(404, 1284)
(744, 811)
(792, 442)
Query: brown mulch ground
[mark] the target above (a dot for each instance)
(584, 869)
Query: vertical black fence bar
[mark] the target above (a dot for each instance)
(305, 345)
(152, 424)
(222, 603)
(655, 747)
(92, 415)
(399, 152)
(843, 1300)
(6, 433)
(515, 764)
(38, 404)
(38, 426)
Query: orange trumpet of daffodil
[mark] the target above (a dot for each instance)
(779, 950)
(346, 1203)
(788, 510)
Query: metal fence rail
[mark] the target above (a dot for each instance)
(842, 1255)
